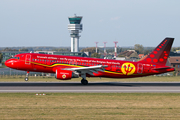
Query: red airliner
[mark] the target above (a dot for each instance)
(67, 67)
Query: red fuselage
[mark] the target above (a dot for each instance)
(112, 68)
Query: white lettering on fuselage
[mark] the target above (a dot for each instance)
(79, 60)
(42, 57)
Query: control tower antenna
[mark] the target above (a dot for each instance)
(104, 49)
(75, 27)
(115, 49)
(96, 46)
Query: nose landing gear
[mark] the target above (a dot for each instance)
(27, 75)
(26, 79)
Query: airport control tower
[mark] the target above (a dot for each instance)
(75, 27)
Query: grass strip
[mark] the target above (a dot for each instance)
(90, 106)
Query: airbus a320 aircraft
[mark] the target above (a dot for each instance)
(67, 67)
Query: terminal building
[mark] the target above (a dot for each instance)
(8, 54)
(79, 54)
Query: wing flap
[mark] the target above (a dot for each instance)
(86, 68)
(89, 70)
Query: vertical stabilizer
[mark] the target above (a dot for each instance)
(161, 53)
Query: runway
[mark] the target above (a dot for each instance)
(94, 87)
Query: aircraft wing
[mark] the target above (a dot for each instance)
(89, 70)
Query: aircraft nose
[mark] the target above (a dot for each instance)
(9, 63)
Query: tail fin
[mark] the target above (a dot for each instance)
(161, 53)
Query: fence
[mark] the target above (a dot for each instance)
(8, 72)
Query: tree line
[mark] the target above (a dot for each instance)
(137, 47)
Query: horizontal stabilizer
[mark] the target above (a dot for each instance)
(161, 68)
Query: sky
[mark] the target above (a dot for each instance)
(28, 23)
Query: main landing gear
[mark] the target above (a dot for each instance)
(84, 81)
(27, 75)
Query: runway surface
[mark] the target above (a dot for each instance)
(95, 87)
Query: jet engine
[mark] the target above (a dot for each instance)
(65, 74)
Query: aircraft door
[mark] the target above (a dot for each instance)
(140, 68)
(28, 59)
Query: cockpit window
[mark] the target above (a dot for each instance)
(16, 58)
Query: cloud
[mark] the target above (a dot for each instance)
(101, 20)
(115, 18)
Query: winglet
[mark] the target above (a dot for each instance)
(161, 53)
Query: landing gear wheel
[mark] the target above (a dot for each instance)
(84, 82)
(26, 79)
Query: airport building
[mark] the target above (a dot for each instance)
(75, 27)
(78, 54)
(7, 54)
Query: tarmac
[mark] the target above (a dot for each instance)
(92, 87)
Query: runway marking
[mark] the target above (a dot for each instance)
(89, 90)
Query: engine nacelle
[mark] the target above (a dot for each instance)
(65, 74)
